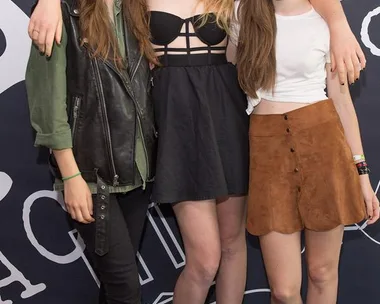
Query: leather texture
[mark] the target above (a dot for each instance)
(105, 107)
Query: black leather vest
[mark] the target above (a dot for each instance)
(105, 108)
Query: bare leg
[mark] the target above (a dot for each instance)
(199, 229)
(322, 256)
(232, 274)
(282, 258)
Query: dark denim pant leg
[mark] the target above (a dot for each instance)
(117, 269)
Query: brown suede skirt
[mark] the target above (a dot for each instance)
(302, 174)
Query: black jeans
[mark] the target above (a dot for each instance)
(117, 269)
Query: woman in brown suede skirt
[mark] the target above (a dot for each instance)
(307, 168)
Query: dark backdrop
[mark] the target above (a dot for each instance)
(40, 257)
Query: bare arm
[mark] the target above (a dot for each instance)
(345, 108)
(78, 197)
(45, 25)
(346, 54)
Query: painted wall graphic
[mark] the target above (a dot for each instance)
(42, 258)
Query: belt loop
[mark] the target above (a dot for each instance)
(101, 206)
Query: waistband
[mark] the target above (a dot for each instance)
(294, 121)
(192, 60)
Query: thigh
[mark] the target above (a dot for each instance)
(231, 212)
(323, 249)
(282, 259)
(198, 224)
(134, 206)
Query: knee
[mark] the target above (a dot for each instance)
(204, 269)
(233, 244)
(321, 274)
(285, 294)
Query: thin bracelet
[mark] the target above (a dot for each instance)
(358, 157)
(70, 177)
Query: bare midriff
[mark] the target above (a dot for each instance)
(266, 107)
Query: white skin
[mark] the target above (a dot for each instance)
(281, 252)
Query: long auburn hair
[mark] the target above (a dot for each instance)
(96, 26)
(256, 57)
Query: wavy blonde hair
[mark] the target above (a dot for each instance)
(223, 9)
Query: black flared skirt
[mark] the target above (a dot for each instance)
(202, 125)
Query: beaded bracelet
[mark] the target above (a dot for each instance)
(362, 168)
(72, 176)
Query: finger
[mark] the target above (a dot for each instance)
(361, 56)
(376, 210)
(79, 216)
(357, 66)
(90, 208)
(49, 42)
(58, 32)
(85, 214)
(41, 39)
(342, 72)
(368, 204)
(333, 62)
(31, 27)
(90, 205)
(68, 209)
(350, 70)
(71, 211)
(375, 217)
(376, 214)
(35, 34)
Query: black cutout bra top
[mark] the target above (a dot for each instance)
(166, 27)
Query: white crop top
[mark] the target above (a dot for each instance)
(302, 51)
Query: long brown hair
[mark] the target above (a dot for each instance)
(256, 58)
(97, 29)
(138, 17)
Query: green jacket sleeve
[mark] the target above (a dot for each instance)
(46, 88)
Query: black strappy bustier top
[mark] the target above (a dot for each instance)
(166, 27)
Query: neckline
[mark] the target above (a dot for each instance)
(295, 17)
(171, 14)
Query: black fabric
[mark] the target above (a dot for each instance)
(166, 27)
(117, 269)
(203, 132)
(104, 107)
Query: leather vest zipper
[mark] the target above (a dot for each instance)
(76, 108)
(106, 125)
(136, 67)
(126, 80)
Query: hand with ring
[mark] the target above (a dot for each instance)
(45, 25)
